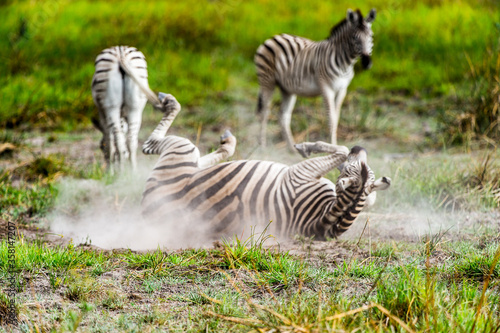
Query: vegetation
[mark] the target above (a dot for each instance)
(408, 289)
(428, 113)
(203, 52)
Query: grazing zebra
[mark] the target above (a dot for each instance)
(299, 66)
(120, 91)
(225, 199)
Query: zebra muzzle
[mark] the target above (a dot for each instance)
(344, 183)
(366, 61)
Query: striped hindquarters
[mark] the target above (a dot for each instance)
(277, 55)
(108, 71)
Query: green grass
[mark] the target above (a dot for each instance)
(429, 71)
(28, 199)
(449, 181)
(203, 52)
(375, 294)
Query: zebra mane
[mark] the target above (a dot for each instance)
(339, 28)
(364, 174)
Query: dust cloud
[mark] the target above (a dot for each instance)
(109, 215)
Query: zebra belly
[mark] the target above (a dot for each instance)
(307, 88)
(222, 200)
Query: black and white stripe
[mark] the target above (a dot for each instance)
(120, 91)
(226, 199)
(299, 66)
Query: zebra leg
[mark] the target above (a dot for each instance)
(317, 167)
(339, 98)
(117, 148)
(155, 144)
(307, 148)
(107, 93)
(263, 108)
(134, 119)
(333, 114)
(134, 103)
(226, 149)
(287, 104)
(100, 124)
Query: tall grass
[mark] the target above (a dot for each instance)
(475, 115)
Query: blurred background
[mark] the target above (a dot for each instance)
(428, 111)
(437, 59)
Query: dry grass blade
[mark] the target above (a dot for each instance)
(393, 317)
(242, 321)
(284, 319)
(349, 313)
(485, 287)
(6, 147)
(211, 299)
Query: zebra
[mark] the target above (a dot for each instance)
(120, 91)
(299, 66)
(224, 199)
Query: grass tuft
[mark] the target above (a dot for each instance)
(475, 114)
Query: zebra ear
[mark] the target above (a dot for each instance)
(371, 16)
(351, 16)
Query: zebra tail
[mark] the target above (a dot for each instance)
(150, 95)
(259, 104)
(97, 124)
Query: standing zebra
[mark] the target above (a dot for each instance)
(224, 199)
(299, 66)
(120, 91)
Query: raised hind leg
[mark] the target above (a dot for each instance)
(307, 148)
(157, 141)
(317, 167)
(225, 150)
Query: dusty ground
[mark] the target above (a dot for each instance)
(408, 224)
(45, 305)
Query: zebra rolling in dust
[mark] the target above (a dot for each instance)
(120, 91)
(224, 199)
(299, 66)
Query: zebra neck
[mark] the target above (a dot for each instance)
(343, 50)
(344, 211)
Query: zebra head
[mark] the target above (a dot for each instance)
(357, 178)
(355, 187)
(363, 34)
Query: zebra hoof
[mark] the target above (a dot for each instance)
(161, 96)
(227, 134)
(302, 150)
